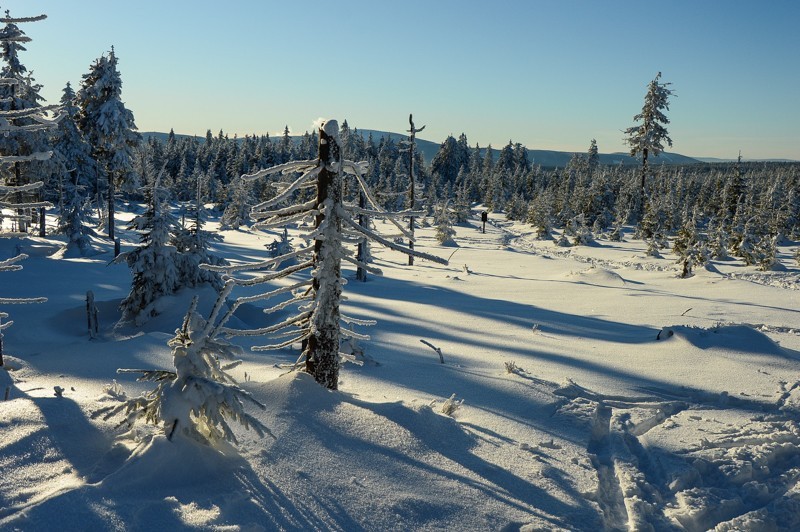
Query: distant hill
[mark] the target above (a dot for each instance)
(545, 158)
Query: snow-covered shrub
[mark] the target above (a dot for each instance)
(653, 248)
(200, 397)
(444, 225)
(616, 234)
(450, 406)
(562, 241)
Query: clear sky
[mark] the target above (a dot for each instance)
(549, 74)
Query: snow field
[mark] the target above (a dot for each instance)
(636, 400)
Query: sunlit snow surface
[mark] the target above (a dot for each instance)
(599, 391)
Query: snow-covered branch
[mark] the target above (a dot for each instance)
(21, 301)
(285, 194)
(21, 20)
(292, 166)
(35, 156)
(391, 245)
(266, 330)
(273, 276)
(8, 189)
(229, 269)
(31, 111)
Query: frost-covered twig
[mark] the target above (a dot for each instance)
(437, 349)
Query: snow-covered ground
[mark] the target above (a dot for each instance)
(599, 391)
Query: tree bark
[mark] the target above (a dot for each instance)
(411, 187)
(111, 193)
(361, 254)
(322, 350)
(644, 170)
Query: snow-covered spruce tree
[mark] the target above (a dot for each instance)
(691, 251)
(443, 218)
(23, 123)
(18, 122)
(239, 204)
(192, 244)
(153, 263)
(77, 174)
(108, 126)
(198, 399)
(317, 323)
(648, 137)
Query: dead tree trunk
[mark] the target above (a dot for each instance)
(322, 350)
(91, 315)
(42, 221)
(411, 192)
(111, 193)
(361, 253)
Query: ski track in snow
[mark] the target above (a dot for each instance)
(736, 478)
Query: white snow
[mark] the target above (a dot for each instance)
(595, 389)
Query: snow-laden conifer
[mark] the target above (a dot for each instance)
(154, 262)
(23, 122)
(199, 398)
(108, 126)
(317, 323)
(443, 218)
(77, 174)
(649, 135)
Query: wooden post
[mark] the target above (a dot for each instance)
(91, 315)
(42, 230)
(322, 350)
(1, 339)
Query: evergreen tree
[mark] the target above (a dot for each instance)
(238, 209)
(154, 262)
(318, 321)
(443, 218)
(192, 244)
(199, 398)
(689, 249)
(592, 158)
(23, 131)
(108, 126)
(648, 137)
(77, 173)
(11, 190)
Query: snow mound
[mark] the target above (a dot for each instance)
(741, 338)
(400, 463)
(596, 275)
(167, 464)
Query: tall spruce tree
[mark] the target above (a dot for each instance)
(77, 176)
(23, 131)
(20, 117)
(648, 137)
(108, 126)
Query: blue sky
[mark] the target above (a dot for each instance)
(548, 74)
